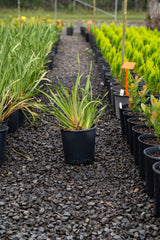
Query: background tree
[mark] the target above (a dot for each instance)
(153, 14)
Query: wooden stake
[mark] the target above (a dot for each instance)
(94, 14)
(74, 3)
(19, 8)
(55, 10)
(123, 38)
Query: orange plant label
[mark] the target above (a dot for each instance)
(128, 65)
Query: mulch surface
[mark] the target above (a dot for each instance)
(43, 197)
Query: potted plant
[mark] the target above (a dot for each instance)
(152, 155)
(133, 121)
(136, 97)
(77, 113)
(9, 104)
(150, 139)
(156, 169)
(70, 28)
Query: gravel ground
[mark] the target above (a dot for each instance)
(43, 198)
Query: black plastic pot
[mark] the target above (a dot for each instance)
(113, 86)
(97, 53)
(3, 135)
(114, 90)
(108, 79)
(131, 122)
(149, 174)
(123, 108)
(126, 115)
(156, 170)
(79, 146)
(4, 123)
(108, 83)
(13, 122)
(82, 29)
(21, 118)
(105, 70)
(87, 37)
(117, 100)
(92, 40)
(144, 143)
(69, 31)
(137, 130)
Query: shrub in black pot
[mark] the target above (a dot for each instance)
(156, 169)
(10, 105)
(138, 130)
(145, 141)
(132, 122)
(126, 116)
(70, 29)
(118, 101)
(77, 120)
(152, 155)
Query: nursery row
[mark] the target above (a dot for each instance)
(139, 114)
(141, 46)
(27, 53)
(25, 50)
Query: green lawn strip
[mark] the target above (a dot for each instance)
(78, 15)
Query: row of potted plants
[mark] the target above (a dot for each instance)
(139, 116)
(141, 46)
(26, 46)
(76, 110)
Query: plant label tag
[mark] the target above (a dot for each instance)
(120, 105)
(122, 92)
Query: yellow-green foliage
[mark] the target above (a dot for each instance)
(116, 66)
(154, 81)
(141, 46)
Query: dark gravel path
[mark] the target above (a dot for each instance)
(43, 198)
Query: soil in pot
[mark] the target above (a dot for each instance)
(145, 141)
(152, 155)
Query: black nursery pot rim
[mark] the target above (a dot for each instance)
(145, 136)
(155, 166)
(134, 128)
(3, 128)
(117, 94)
(126, 113)
(134, 118)
(148, 151)
(125, 106)
(82, 130)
